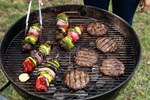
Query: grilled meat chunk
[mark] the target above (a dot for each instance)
(26, 47)
(106, 44)
(86, 58)
(76, 79)
(97, 29)
(112, 67)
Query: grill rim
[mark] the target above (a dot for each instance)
(22, 20)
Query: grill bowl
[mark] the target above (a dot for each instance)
(100, 87)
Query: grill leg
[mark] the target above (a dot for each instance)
(5, 86)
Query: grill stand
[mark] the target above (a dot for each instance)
(4, 86)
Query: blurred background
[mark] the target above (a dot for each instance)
(138, 87)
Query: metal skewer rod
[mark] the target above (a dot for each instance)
(27, 19)
(56, 57)
(40, 15)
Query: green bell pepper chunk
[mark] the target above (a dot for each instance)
(68, 41)
(63, 16)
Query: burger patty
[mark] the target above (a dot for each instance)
(112, 67)
(106, 44)
(97, 29)
(86, 58)
(76, 79)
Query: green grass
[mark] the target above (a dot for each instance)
(138, 87)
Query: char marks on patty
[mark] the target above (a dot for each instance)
(97, 29)
(112, 67)
(106, 44)
(76, 79)
(86, 58)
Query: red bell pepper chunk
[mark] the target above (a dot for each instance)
(40, 84)
(81, 27)
(74, 36)
(28, 66)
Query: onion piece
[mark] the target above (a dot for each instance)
(24, 77)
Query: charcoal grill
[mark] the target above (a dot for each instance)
(101, 87)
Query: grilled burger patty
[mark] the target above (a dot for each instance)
(112, 67)
(76, 79)
(86, 58)
(97, 29)
(106, 44)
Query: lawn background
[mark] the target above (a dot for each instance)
(138, 87)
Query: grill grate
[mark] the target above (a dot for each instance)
(99, 83)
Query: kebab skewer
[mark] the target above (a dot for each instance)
(62, 25)
(31, 38)
(36, 57)
(46, 75)
(73, 34)
(66, 37)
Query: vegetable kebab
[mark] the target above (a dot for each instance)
(36, 57)
(46, 75)
(67, 43)
(62, 25)
(31, 38)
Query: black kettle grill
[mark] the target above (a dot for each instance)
(101, 87)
